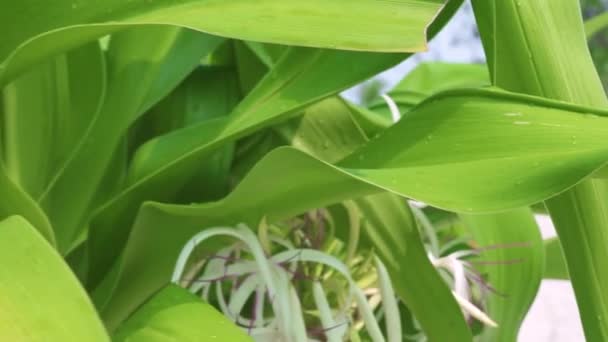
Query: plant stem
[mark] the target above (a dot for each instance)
(538, 47)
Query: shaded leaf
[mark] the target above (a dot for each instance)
(555, 265)
(46, 113)
(596, 24)
(16, 202)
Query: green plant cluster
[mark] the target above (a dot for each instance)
(186, 170)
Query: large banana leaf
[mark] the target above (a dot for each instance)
(344, 24)
(434, 165)
(174, 314)
(41, 299)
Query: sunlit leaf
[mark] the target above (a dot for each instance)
(41, 299)
(174, 314)
(397, 26)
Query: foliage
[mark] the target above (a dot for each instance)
(187, 170)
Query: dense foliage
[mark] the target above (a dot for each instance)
(188, 171)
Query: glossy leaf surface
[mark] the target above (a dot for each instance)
(398, 26)
(407, 168)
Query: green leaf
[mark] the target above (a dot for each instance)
(555, 265)
(391, 227)
(525, 148)
(41, 299)
(16, 202)
(556, 64)
(430, 78)
(290, 86)
(145, 64)
(326, 131)
(397, 26)
(596, 24)
(174, 314)
(516, 259)
(207, 94)
(387, 220)
(436, 171)
(47, 111)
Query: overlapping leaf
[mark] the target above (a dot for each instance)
(555, 265)
(511, 246)
(381, 25)
(452, 133)
(292, 84)
(390, 225)
(174, 314)
(556, 64)
(430, 78)
(145, 64)
(41, 299)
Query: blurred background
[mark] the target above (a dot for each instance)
(554, 315)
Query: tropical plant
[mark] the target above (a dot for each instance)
(187, 171)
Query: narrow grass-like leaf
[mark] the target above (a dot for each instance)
(596, 24)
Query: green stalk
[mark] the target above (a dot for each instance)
(538, 47)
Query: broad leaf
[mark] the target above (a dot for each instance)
(41, 299)
(174, 314)
(556, 64)
(145, 64)
(46, 113)
(16, 202)
(430, 78)
(512, 247)
(434, 165)
(391, 226)
(380, 25)
(290, 86)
